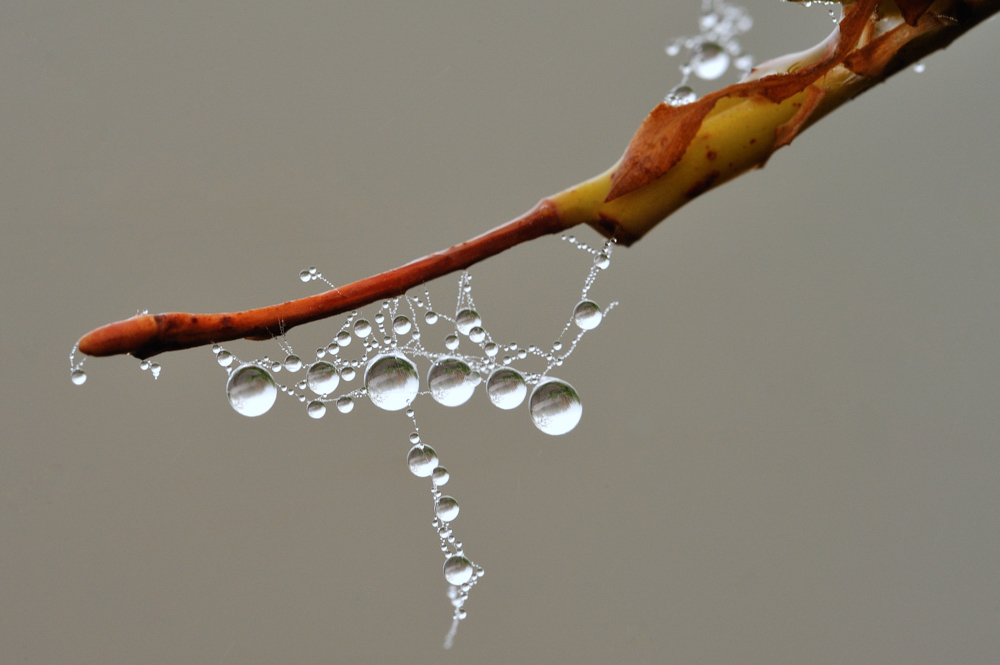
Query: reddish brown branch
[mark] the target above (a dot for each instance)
(146, 335)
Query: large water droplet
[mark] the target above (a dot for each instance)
(322, 378)
(449, 382)
(401, 325)
(555, 406)
(710, 62)
(78, 377)
(362, 328)
(316, 409)
(391, 381)
(457, 569)
(251, 390)
(587, 315)
(466, 320)
(293, 363)
(446, 508)
(422, 460)
(506, 388)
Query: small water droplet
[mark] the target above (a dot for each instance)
(78, 377)
(451, 342)
(466, 320)
(320, 352)
(414, 437)
(710, 62)
(144, 365)
(440, 476)
(587, 315)
(345, 404)
(522, 354)
(680, 96)
(155, 369)
(251, 390)
(379, 318)
(216, 348)
(316, 409)
(448, 380)
(673, 50)
(431, 317)
(491, 349)
(333, 348)
(557, 346)
(362, 328)
(555, 407)
(409, 413)
(506, 388)
(602, 261)
(312, 270)
(293, 363)
(348, 373)
(343, 338)
(391, 381)
(401, 325)
(275, 366)
(457, 570)
(477, 334)
(422, 460)
(322, 378)
(304, 276)
(446, 508)
(225, 358)
(919, 67)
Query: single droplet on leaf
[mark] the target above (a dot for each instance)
(555, 406)
(587, 315)
(316, 409)
(710, 62)
(422, 460)
(391, 381)
(506, 388)
(251, 390)
(466, 320)
(78, 377)
(293, 363)
(448, 380)
(322, 378)
(457, 569)
(446, 508)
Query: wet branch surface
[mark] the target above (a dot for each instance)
(660, 171)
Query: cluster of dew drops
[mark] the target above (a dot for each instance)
(389, 342)
(709, 53)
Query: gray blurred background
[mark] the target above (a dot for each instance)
(789, 449)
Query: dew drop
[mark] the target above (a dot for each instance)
(345, 404)
(431, 317)
(557, 346)
(251, 390)
(348, 373)
(449, 382)
(446, 508)
(680, 96)
(316, 409)
(293, 363)
(78, 377)
(506, 388)
(477, 334)
(491, 349)
(440, 476)
(466, 320)
(155, 369)
(401, 325)
(919, 67)
(457, 569)
(362, 328)
(144, 365)
(343, 338)
(555, 407)
(710, 62)
(451, 342)
(225, 358)
(422, 460)
(587, 315)
(391, 381)
(414, 437)
(322, 378)
(304, 276)
(602, 261)
(320, 352)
